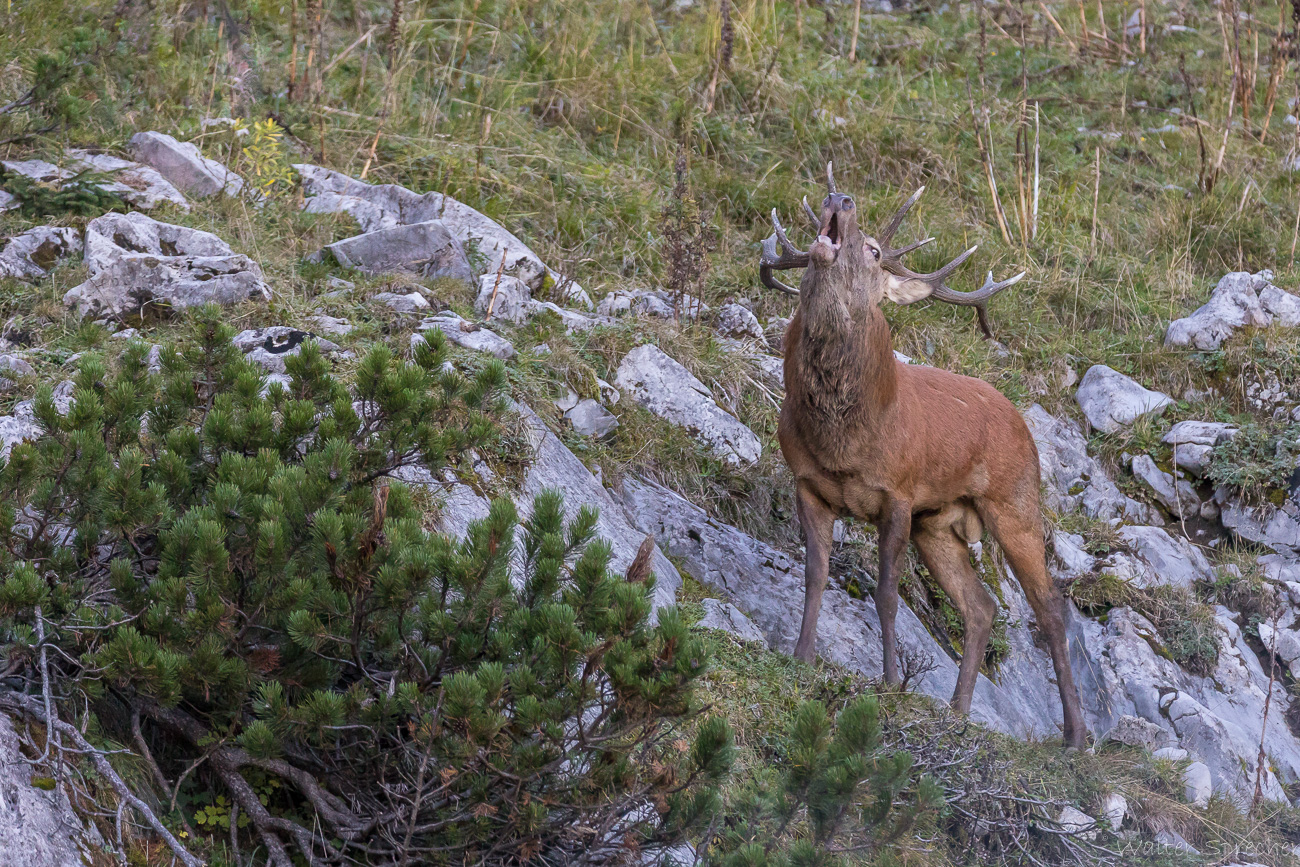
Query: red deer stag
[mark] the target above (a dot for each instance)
(921, 453)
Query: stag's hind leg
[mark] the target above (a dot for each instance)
(1021, 538)
(947, 557)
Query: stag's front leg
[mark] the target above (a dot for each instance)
(895, 527)
(818, 523)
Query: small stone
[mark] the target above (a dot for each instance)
(1170, 754)
(269, 347)
(464, 333)
(542, 349)
(30, 255)
(1077, 822)
(12, 365)
(183, 165)
(1174, 840)
(1198, 786)
(1179, 497)
(413, 302)
(1233, 304)
(1134, 731)
(427, 249)
(509, 298)
(568, 400)
(738, 322)
(1284, 307)
(331, 325)
(1114, 807)
(1112, 401)
(590, 419)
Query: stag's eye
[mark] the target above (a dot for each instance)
(875, 251)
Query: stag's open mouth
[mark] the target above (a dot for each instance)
(830, 234)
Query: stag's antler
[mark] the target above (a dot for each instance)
(891, 260)
(790, 257)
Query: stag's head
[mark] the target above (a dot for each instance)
(846, 261)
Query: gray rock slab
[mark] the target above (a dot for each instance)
(184, 166)
(659, 383)
(427, 249)
(1233, 304)
(137, 262)
(1111, 401)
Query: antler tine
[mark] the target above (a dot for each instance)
(903, 251)
(811, 214)
(786, 246)
(788, 258)
(978, 299)
(887, 233)
(830, 178)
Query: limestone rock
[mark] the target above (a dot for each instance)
(12, 365)
(1193, 443)
(1073, 478)
(1114, 807)
(1111, 401)
(411, 302)
(1276, 527)
(331, 325)
(735, 320)
(669, 390)
(427, 249)
(1134, 731)
(1233, 304)
(137, 262)
(184, 166)
(38, 827)
(1198, 785)
(651, 302)
(269, 347)
(1284, 307)
(590, 419)
(509, 298)
(31, 254)
(1162, 559)
(1218, 719)
(728, 618)
(555, 467)
(1284, 641)
(142, 186)
(1075, 821)
(383, 206)
(465, 333)
(1178, 496)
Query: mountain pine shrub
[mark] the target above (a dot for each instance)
(841, 796)
(228, 576)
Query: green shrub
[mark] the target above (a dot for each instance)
(237, 573)
(840, 790)
(82, 195)
(1259, 461)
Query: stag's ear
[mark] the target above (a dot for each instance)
(905, 290)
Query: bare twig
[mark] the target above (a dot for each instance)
(29, 705)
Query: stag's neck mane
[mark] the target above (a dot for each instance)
(846, 358)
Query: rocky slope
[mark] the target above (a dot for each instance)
(1230, 720)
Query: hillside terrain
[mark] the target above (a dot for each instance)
(361, 362)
